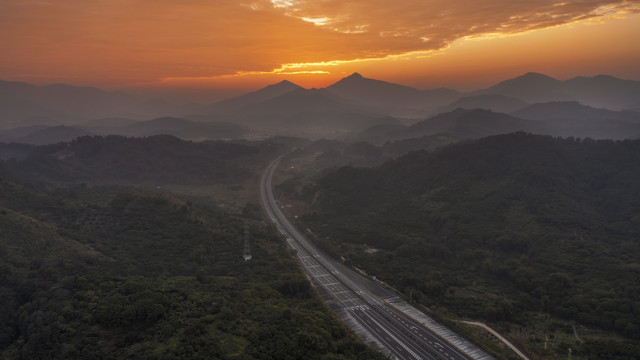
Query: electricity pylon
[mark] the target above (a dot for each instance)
(247, 250)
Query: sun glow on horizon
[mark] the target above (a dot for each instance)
(195, 42)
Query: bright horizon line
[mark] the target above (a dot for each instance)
(237, 46)
(225, 93)
(255, 88)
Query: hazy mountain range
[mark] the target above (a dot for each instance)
(26, 104)
(563, 119)
(183, 128)
(601, 91)
(601, 106)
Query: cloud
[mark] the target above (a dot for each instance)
(424, 25)
(189, 37)
(142, 40)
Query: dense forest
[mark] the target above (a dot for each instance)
(506, 229)
(154, 159)
(102, 271)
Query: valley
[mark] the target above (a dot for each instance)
(319, 180)
(397, 234)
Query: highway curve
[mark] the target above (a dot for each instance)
(369, 309)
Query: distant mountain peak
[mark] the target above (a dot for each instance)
(266, 93)
(286, 82)
(536, 76)
(283, 84)
(356, 78)
(531, 87)
(386, 97)
(533, 74)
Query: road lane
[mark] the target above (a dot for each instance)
(361, 300)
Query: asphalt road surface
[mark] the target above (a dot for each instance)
(367, 307)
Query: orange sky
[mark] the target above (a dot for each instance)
(246, 44)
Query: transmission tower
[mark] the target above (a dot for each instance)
(247, 250)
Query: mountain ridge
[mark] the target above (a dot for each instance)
(600, 91)
(378, 94)
(24, 104)
(240, 102)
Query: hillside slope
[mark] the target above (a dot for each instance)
(106, 272)
(152, 160)
(500, 229)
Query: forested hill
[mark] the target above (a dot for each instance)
(161, 159)
(111, 273)
(583, 183)
(95, 264)
(552, 225)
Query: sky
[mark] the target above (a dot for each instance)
(239, 45)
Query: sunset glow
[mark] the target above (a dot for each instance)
(247, 44)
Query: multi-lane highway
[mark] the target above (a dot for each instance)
(372, 311)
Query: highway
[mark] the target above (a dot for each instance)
(369, 309)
